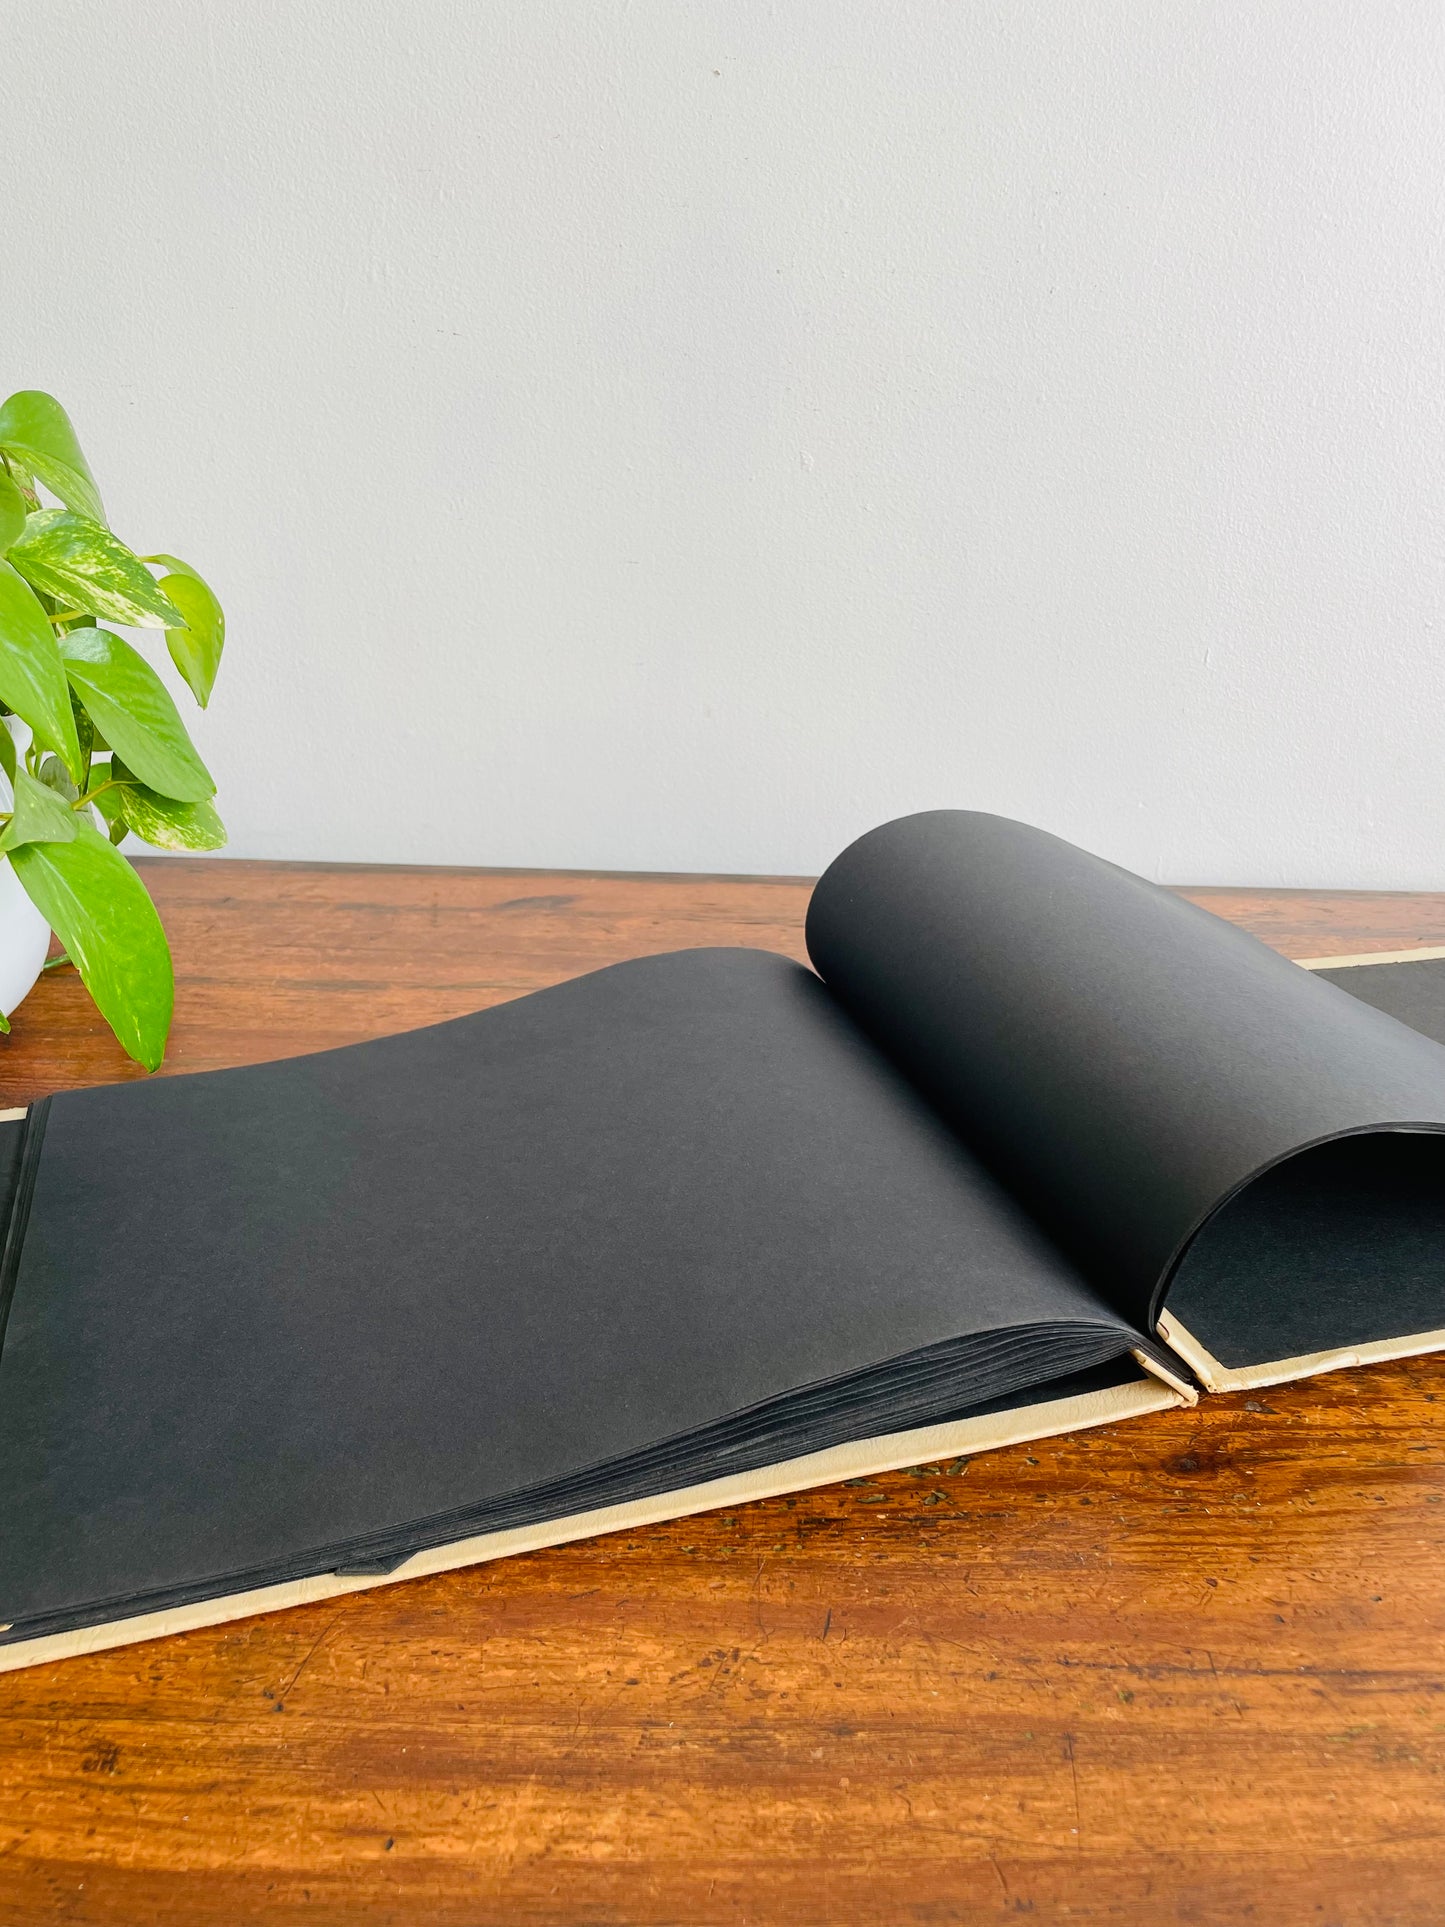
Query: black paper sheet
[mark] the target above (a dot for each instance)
(1128, 1062)
(670, 1220)
(1414, 993)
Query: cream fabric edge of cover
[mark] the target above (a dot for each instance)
(1368, 957)
(860, 1459)
(1214, 1376)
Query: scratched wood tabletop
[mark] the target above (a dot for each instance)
(1186, 1669)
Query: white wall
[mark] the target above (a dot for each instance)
(680, 435)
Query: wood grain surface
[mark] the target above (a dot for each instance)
(1188, 1669)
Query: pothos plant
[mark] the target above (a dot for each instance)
(104, 752)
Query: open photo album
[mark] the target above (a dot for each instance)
(1035, 1145)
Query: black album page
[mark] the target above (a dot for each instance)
(675, 1218)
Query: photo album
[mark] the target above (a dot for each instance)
(1035, 1145)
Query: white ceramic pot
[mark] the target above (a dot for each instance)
(24, 939)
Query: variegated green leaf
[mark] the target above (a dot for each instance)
(32, 674)
(24, 481)
(36, 430)
(97, 905)
(133, 710)
(7, 751)
(160, 820)
(40, 816)
(71, 557)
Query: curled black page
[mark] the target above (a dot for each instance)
(1125, 1060)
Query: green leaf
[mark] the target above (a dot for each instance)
(53, 773)
(32, 675)
(13, 511)
(36, 429)
(168, 825)
(196, 649)
(158, 820)
(4, 1024)
(134, 711)
(97, 905)
(70, 556)
(7, 752)
(40, 815)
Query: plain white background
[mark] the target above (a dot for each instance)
(669, 435)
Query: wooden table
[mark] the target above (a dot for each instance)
(1187, 1669)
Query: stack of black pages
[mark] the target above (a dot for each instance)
(1036, 1145)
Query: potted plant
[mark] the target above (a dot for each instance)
(92, 747)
